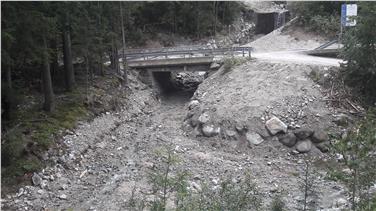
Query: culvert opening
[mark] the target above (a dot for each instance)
(176, 85)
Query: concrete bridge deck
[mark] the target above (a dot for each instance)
(173, 62)
(179, 57)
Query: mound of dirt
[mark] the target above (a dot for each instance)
(286, 38)
(250, 94)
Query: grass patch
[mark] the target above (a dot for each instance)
(231, 62)
(170, 184)
(34, 132)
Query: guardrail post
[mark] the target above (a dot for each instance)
(166, 55)
(243, 51)
(249, 52)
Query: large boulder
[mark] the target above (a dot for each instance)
(215, 65)
(254, 138)
(275, 125)
(288, 139)
(210, 130)
(204, 118)
(230, 133)
(319, 136)
(193, 104)
(36, 179)
(304, 146)
(303, 133)
(323, 146)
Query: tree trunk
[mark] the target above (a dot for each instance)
(214, 17)
(7, 103)
(99, 31)
(112, 55)
(54, 62)
(101, 69)
(198, 20)
(68, 64)
(116, 59)
(9, 77)
(47, 82)
(125, 76)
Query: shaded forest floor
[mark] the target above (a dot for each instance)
(32, 132)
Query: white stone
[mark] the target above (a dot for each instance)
(254, 138)
(210, 130)
(304, 146)
(275, 125)
(204, 118)
(193, 104)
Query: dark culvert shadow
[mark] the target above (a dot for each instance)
(168, 90)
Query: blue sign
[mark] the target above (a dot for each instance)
(343, 14)
(348, 14)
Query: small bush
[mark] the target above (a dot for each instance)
(320, 17)
(228, 196)
(231, 62)
(358, 150)
(359, 52)
(171, 185)
(277, 204)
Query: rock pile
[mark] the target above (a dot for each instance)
(301, 139)
(188, 80)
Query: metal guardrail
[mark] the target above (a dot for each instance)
(147, 55)
(325, 45)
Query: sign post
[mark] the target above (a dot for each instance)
(348, 12)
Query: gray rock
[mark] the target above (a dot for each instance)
(37, 180)
(210, 130)
(323, 146)
(303, 133)
(319, 136)
(240, 128)
(288, 139)
(215, 65)
(254, 138)
(195, 186)
(230, 133)
(204, 118)
(63, 196)
(20, 192)
(275, 125)
(304, 146)
(193, 104)
(342, 120)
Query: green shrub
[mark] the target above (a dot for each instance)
(230, 62)
(228, 196)
(321, 17)
(277, 204)
(169, 184)
(358, 150)
(359, 52)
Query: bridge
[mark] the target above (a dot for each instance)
(155, 65)
(165, 57)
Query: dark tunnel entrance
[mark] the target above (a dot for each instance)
(169, 89)
(267, 22)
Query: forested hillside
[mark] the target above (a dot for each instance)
(53, 51)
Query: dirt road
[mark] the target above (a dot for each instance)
(297, 57)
